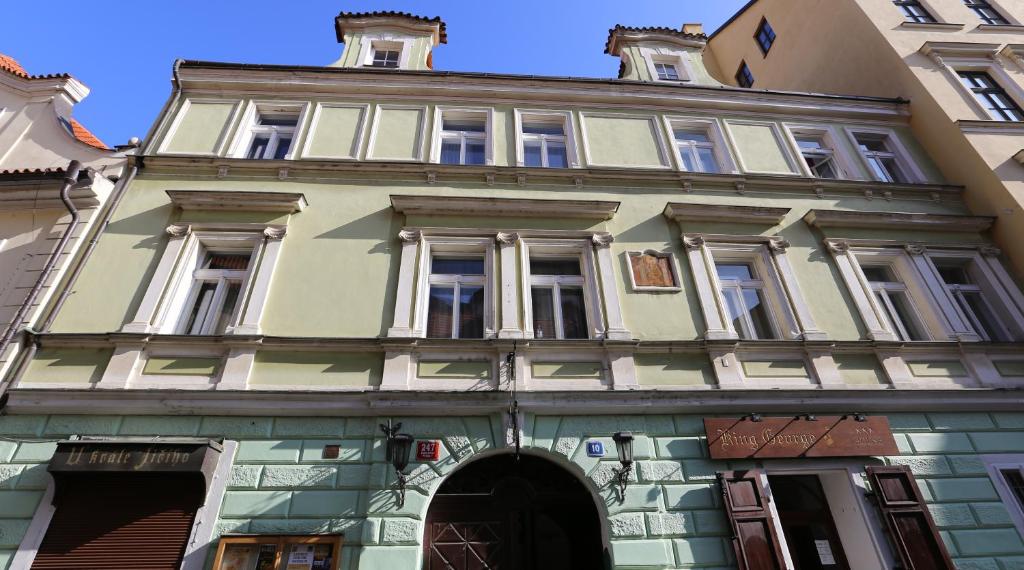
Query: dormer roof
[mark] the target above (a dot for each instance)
(11, 65)
(360, 19)
(619, 33)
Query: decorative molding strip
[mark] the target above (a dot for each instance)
(890, 220)
(285, 202)
(991, 126)
(958, 49)
(681, 212)
(507, 238)
(503, 207)
(410, 236)
(602, 240)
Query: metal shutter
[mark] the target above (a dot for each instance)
(110, 521)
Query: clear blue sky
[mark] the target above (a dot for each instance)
(124, 51)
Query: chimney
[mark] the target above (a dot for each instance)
(696, 29)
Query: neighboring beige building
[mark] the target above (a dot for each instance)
(38, 139)
(960, 63)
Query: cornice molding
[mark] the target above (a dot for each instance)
(683, 212)
(890, 220)
(990, 126)
(502, 207)
(213, 200)
(959, 49)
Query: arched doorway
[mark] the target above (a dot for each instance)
(502, 514)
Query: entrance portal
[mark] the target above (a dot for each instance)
(806, 521)
(503, 514)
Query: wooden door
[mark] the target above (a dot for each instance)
(754, 540)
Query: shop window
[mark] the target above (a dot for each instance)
(265, 552)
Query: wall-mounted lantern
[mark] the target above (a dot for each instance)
(398, 447)
(624, 446)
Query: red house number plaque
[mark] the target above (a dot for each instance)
(428, 450)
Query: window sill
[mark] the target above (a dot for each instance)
(991, 126)
(931, 26)
(999, 28)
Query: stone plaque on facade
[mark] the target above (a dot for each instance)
(798, 436)
(651, 270)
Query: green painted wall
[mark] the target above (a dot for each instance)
(335, 134)
(624, 141)
(399, 134)
(202, 128)
(325, 369)
(68, 366)
(759, 148)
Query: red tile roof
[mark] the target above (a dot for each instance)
(81, 133)
(11, 65)
(442, 28)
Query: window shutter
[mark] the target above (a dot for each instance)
(906, 516)
(755, 539)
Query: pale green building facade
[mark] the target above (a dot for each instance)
(304, 253)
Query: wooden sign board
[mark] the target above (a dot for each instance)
(796, 436)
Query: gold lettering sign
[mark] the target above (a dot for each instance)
(797, 436)
(138, 457)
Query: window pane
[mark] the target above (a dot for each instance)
(227, 310)
(734, 272)
(283, 146)
(531, 154)
(708, 162)
(543, 129)
(574, 313)
(732, 304)
(463, 125)
(821, 165)
(201, 309)
(543, 266)
(871, 143)
(1015, 481)
(543, 312)
(450, 152)
(693, 136)
(231, 262)
(471, 312)
(258, 147)
(758, 310)
(556, 155)
(986, 318)
(809, 143)
(905, 315)
(954, 274)
(440, 311)
(474, 152)
(879, 274)
(278, 120)
(892, 171)
(456, 266)
(689, 158)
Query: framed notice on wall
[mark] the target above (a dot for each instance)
(278, 552)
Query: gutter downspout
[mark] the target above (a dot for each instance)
(70, 178)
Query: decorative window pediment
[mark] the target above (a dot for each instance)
(890, 220)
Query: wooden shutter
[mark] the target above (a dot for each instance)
(124, 521)
(907, 518)
(755, 539)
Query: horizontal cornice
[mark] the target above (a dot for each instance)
(900, 220)
(284, 202)
(681, 212)
(502, 207)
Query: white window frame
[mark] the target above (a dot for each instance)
(248, 128)
(670, 56)
(370, 43)
(788, 311)
(565, 118)
(163, 305)
(222, 277)
(715, 132)
(650, 288)
(899, 152)
(469, 246)
(1006, 303)
(471, 113)
(995, 464)
(832, 141)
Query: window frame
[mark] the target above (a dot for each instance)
(831, 139)
(765, 26)
(715, 132)
(991, 283)
(668, 56)
(429, 246)
(371, 43)
(954, 61)
(222, 278)
(976, 6)
(456, 281)
(568, 122)
(336, 540)
(474, 113)
(749, 84)
(562, 248)
(903, 160)
(995, 465)
(248, 129)
(909, 18)
(997, 87)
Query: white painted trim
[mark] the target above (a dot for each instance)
(568, 124)
(33, 539)
(201, 538)
(659, 136)
(724, 151)
(438, 126)
(438, 244)
(367, 48)
(780, 141)
(994, 463)
(676, 287)
(375, 124)
(243, 136)
(582, 248)
(222, 139)
(405, 299)
(511, 325)
(680, 58)
(357, 144)
(904, 159)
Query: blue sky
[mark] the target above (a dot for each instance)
(125, 53)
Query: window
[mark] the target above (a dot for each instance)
(987, 13)
(265, 552)
(819, 157)
(557, 298)
(991, 96)
(385, 58)
(965, 289)
(544, 144)
(666, 71)
(744, 78)
(1013, 478)
(892, 297)
(463, 137)
(213, 302)
(696, 150)
(1007, 473)
(765, 37)
(914, 12)
(455, 308)
(744, 298)
(272, 135)
(881, 158)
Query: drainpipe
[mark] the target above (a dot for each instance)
(70, 178)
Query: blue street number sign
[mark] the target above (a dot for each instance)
(595, 449)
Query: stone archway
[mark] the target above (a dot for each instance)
(498, 513)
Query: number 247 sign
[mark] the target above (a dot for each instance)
(428, 450)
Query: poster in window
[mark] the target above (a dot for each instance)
(267, 558)
(301, 557)
(323, 556)
(652, 270)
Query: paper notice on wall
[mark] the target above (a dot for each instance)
(824, 553)
(301, 557)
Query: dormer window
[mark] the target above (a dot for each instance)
(386, 58)
(666, 71)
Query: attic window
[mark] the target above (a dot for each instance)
(385, 58)
(765, 36)
(744, 78)
(667, 72)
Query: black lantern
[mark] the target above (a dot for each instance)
(624, 446)
(400, 450)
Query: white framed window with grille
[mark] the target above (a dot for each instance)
(899, 314)
(885, 157)
(545, 139)
(562, 296)
(700, 146)
(455, 293)
(463, 136)
(385, 51)
(270, 131)
(820, 151)
(217, 281)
